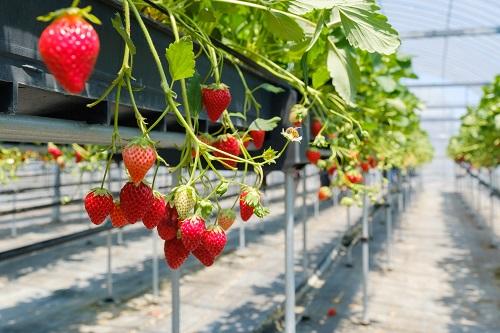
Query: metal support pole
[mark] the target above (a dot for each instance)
(156, 284)
(175, 279)
(109, 274)
(242, 244)
(305, 263)
(289, 260)
(335, 196)
(13, 224)
(119, 235)
(388, 221)
(400, 199)
(176, 300)
(492, 210)
(364, 239)
(479, 194)
(316, 207)
(56, 209)
(349, 248)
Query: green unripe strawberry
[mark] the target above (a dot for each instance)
(184, 200)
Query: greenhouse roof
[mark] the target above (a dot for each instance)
(456, 49)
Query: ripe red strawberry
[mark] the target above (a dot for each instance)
(372, 161)
(316, 126)
(324, 193)
(175, 253)
(139, 156)
(354, 178)
(135, 201)
(331, 170)
(156, 213)
(313, 155)
(204, 256)
(78, 157)
(216, 98)
(118, 219)
(246, 211)
(365, 166)
(226, 218)
(192, 230)
(229, 144)
(184, 200)
(214, 240)
(332, 312)
(168, 226)
(53, 150)
(98, 204)
(258, 137)
(69, 47)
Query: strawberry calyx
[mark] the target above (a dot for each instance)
(141, 141)
(251, 197)
(99, 192)
(216, 86)
(228, 213)
(157, 194)
(215, 228)
(70, 12)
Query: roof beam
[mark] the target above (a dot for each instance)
(467, 32)
(446, 84)
(423, 119)
(446, 106)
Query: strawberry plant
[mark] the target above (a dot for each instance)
(338, 55)
(478, 140)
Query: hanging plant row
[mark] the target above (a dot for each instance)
(477, 143)
(339, 55)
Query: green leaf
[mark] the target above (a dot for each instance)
(269, 87)
(364, 27)
(305, 68)
(397, 104)
(116, 21)
(283, 26)
(301, 7)
(180, 57)
(194, 93)
(317, 31)
(264, 124)
(387, 83)
(320, 77)
(343, 70)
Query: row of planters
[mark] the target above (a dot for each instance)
(477, 144)
(243, 82)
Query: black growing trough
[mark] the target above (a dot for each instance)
(34, 108)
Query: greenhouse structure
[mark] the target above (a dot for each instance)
(249, 166)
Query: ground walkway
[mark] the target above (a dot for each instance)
(445, 276)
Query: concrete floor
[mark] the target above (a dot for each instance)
(445, 276)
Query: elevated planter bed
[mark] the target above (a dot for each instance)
(34, 108)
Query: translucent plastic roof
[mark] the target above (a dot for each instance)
(453, 42)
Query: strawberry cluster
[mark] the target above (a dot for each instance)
(177, 218)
